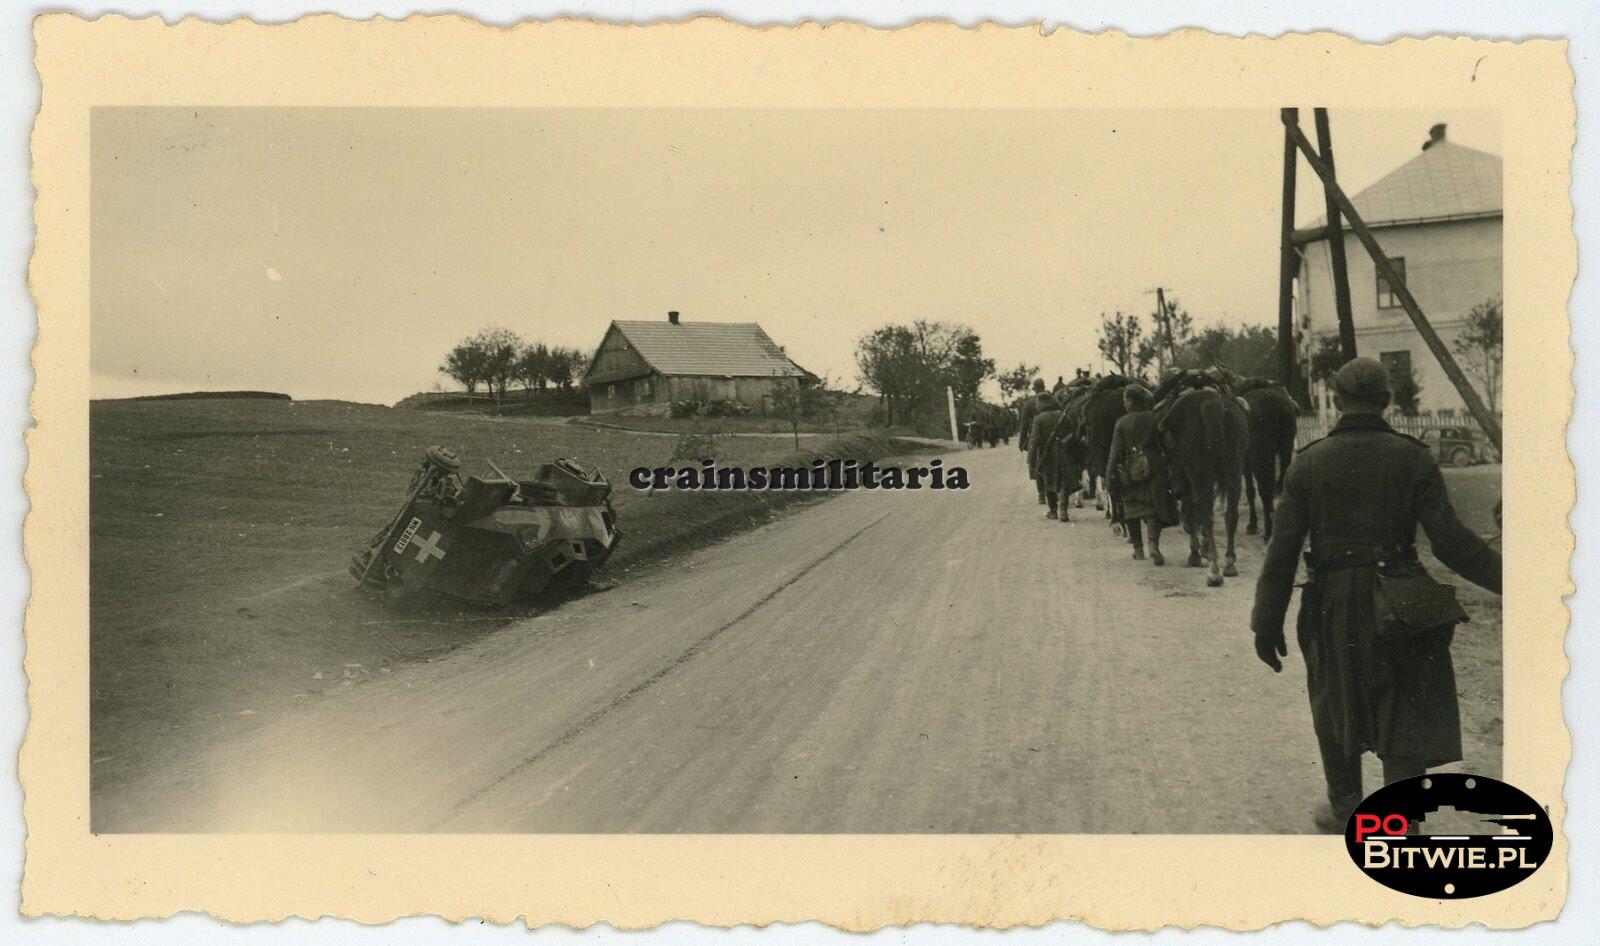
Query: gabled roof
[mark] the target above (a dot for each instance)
(719, 349)
(1446, 182)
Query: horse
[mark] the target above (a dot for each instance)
(1206, 436)
(1100, 412)
(1072, 399)
(1272, 433)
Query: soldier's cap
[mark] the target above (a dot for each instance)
(1362, 379)
(1038, 384)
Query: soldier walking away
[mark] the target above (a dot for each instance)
(1030, 410)
(1044, 457)
(1374, 628)
(1136, 472)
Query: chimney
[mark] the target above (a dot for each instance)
(672, 317)
(1435, 135)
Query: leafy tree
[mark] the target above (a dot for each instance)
(908, 365)
(501, 348)
(1406, 391)
(968, 368)
(467, 364)
(1481, 348)
(1017, 381)
(1123, 344)
(566, 366)
(1249, 350)
(534, 366)
(1327, 359)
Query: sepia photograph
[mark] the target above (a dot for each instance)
(590, 475)
(370, 387)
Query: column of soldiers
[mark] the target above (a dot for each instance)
(1376, 683)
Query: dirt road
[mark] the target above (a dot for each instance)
(881, 662)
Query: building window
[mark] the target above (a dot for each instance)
(1398, 364)
(1387, 299)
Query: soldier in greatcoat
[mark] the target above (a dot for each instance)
(1136, 471)
(1028, 411)
(1054, 454)
(1376, 686)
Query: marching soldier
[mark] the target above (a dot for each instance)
(1134, 471)
(1047, 458)
(1377, 683)
(1030, 410)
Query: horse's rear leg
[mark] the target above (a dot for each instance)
(1250, 496)
(1209, 540)
(1230, 521)
(1192, 527)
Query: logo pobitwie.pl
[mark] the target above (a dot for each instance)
(1448, 836)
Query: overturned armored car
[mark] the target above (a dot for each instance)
(483, 540)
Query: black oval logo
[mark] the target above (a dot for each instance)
(1448, 836)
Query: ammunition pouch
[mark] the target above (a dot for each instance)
(1139, 467)
(1407, 601)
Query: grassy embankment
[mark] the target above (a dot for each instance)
(220, 531)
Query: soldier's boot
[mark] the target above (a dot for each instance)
(1341, 772)
(1051, 513)
(1136, 536)
(1156, 558)
(1331, 819)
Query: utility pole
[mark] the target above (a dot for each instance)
(1288, 260)
(1163, 329)
(950, 399)
(1447, 361)
(1341, 275)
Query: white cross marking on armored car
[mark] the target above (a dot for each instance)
(428, 546)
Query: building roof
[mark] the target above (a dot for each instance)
(717, 349)
(1446, 181)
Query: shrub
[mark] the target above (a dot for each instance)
(726, 408)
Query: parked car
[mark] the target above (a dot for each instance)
(1456, 446)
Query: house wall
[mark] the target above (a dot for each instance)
(1450, 267)
(625, 392)
(655, 388)
(615, 358)
(755, 392)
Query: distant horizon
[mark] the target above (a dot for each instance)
(337, 254)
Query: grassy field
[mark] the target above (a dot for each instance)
(220, 531)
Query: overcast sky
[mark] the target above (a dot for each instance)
(341, 252)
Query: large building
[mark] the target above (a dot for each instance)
(639, 364)
(1437, 218)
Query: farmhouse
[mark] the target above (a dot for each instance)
(641, 363)
(1438, 219)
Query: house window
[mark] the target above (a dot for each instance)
(1387, 299)
(1398, 364)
